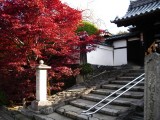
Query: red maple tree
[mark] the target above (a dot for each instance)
(31, 30)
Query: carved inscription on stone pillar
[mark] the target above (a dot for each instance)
(152, 87)
(151, 97)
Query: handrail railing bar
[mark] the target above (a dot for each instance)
(112, 94)
(113, 99)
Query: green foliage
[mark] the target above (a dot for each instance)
(86, 69)
(90, 28)
(3, 99)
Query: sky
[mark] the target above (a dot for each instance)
(101, 12)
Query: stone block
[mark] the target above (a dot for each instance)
(46, 111)
(152, 87)
(38, 105)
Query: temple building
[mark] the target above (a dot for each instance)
(134, 47)
(143, 20)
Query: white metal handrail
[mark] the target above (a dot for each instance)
(86, 112)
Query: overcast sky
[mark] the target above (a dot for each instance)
(101, 12)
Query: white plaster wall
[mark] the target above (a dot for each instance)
(120, 57)
(120, 54)
(120, 43)
(102, 55)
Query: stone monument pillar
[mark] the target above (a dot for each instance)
(41, 87)
(152, 87)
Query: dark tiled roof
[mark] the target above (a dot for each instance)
(137, 3)
(122, 36)
(140, 7)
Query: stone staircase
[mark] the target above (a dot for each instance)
(128, 107)
(123, 108)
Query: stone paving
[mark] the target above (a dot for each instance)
(11, 114)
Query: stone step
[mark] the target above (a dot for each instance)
(21, 117)
(125, 78)
(132, 74)
(12, 114)
(124, 82)
(136, 118)
(137, 115)
(136, 71)
(75, 113)
(5, 116)
(118, 101)
(128, 94)
(129, 75)
(115, 87)
(53, 116)
(108, 110)
(140, 114)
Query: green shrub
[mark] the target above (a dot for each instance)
(86, 69)
(3, 99)
(89, 27)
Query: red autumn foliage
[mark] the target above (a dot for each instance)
(31, 30)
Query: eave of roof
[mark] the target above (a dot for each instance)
(105, 44)
(136, 11)
(122, 36)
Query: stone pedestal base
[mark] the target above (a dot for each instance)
(79, 79)
(44, 107)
